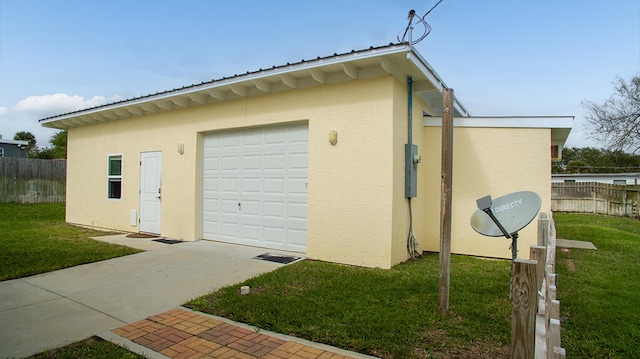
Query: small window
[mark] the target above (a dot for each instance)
(1, 151)
(114, 177)
(620, 182)
(555, 152)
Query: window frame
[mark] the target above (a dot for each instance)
(114, 178)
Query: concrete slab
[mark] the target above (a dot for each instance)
(145, 244)
(34, 328)
(18, 293)
(56, 308)
(568, 243)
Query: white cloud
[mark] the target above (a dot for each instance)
(24, 115)
(49, 105)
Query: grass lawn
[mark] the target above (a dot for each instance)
(599, 291)
(35, 239)
(387, 313)
(393, 313)
(90, 348)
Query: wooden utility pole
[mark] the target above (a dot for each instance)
(445, 201)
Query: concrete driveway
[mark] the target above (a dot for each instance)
(53, 309)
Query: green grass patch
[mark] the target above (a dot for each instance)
(599, 291)
(35, 239)
(386, 313)
(90, 348)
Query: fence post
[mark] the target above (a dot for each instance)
(539, 254)
(543, 229)
(523, 314)
(554, 334)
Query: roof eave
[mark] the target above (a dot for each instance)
(560, 126)
(399, 60)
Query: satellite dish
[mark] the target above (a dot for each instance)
(513, 211)
(505, 216)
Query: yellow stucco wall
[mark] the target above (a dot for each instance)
(357, 213)
(487, 161)
(351, 184)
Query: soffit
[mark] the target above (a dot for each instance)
(399, 60)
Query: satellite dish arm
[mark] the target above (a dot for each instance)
(484, 204)
(489, 212)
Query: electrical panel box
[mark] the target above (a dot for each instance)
(411, 170)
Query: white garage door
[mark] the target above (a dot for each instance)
(254, 187)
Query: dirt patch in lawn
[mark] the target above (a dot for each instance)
(571, 267)
(437, 344)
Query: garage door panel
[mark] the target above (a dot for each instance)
(230, 185)
(250, 232)
(229, 206)
(273, 210)
(212, 205)
(251, 162)
(298, 161)
(211, 184)
(273, 234)
(258, 179)
(212, 164)
(251, 208)
(274, 186)
(230, 162)
(297, 237)
(297, 211)
(229, 229)
(251, 185)
(274, 162)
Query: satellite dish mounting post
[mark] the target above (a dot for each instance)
(484, 204)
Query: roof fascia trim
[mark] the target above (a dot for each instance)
(554, 122)
(424, 66)
(240, 79)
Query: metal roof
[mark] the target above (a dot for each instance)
(400, 60)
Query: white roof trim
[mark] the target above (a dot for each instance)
(556, 122)
(315, 72)
(434, 78)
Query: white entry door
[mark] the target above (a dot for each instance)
(150, 191)
(254, 187)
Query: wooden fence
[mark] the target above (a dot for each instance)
(535, 326)
(596, 198)
(28, 180)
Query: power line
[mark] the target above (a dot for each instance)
(426, 28)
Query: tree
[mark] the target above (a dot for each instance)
(593, 160)
(46, 153)
(617, 121)
(59, 142)
(26, 136)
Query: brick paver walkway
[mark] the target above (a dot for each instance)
(183, 334)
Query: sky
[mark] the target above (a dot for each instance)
(501, 57)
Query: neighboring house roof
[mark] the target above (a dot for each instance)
(22, 144)
(400, 60)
